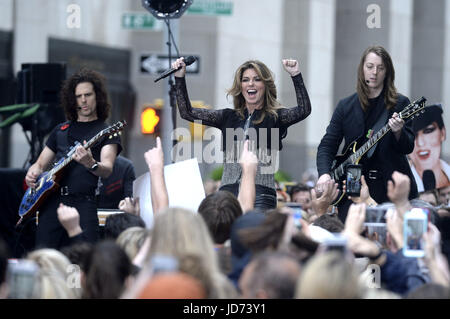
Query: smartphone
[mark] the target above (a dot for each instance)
(336, 243)
(415, 224)
(353, 180)
(375, 216)
(297, 213)
(22, 278)
(163, 263)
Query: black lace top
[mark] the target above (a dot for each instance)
(266, 136)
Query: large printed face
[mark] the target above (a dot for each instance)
(427, 147)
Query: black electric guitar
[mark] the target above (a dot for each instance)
(47, 182)
(352, 155)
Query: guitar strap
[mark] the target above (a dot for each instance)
(62, 139)
(378, 125)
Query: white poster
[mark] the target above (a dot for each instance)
(184, 187)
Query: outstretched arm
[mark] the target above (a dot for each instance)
(249, 164)
(155, 161)
(212, 118)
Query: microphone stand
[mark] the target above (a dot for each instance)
(172, 90)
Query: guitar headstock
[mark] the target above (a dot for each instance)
(414, 109)
(114, 129)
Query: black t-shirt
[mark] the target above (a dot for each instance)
(374, 112)
(76, 177)
(118, 185)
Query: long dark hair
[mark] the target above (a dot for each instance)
(390, 92)
(69, 101)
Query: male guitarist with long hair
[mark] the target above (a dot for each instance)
(375, 103)
(86, 105)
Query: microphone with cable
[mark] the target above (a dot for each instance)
(187, 60)
(429, 181)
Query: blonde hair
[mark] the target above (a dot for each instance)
(132, 239)
(270, 104)
(53, 278)
(179, 232)
(328, 276)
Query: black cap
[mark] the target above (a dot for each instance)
(433, 113)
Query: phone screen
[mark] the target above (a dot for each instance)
(353, 180)
(414, 233)
(375, 216)
(296, 213)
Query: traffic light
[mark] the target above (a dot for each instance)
(151, 121)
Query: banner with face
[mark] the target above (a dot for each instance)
(429, 170)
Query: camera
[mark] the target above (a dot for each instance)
(163, 263)
(336, 243)
(415, 224)
(353, 180)
(375, 216)
(22, 278)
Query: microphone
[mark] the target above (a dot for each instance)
(367, 81)
(188, 60)
(429, 181)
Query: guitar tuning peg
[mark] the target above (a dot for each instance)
(120, 133)
(110, 137)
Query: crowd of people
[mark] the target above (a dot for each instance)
(251, 238)
(229, 249)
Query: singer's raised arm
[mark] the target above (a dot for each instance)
(212, 118)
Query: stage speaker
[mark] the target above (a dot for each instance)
(41, 83)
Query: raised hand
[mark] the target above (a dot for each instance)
(69, 219)
(355, 219)
(363, 195)
(155, 157)
(398, 190)
(130, 205)
(321, 200)
(291, 66)
(181, 72)
(248, 161)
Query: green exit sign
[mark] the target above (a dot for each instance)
(211, 7)
(140, 21)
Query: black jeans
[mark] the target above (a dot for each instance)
(51, 234)
(265, 199)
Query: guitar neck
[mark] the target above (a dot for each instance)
(69, 156)
(370, 143)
